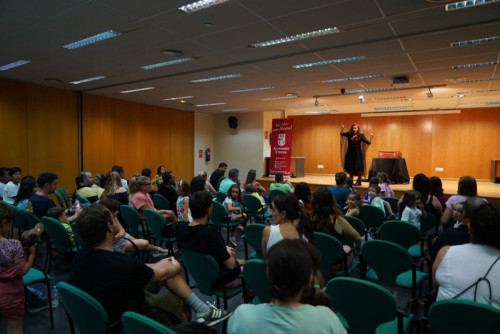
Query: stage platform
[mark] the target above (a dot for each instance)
(488, 190)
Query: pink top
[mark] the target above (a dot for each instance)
(386, 190)
(453, 200)
(140, 199)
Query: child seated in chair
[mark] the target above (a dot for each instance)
(59, 213)
(374, 193)
(232, 205)
(250, 190)
(368, 199)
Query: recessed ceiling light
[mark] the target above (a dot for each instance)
(326, 62)
(466, 4)
(479, 91)
(361, 91)
(91, 40)
(210, 104)
(77, 82)
(491, 63)
(166, 63)
(458, 96)
(239, 109)
(14, 64)
(392, 108)
(298, 37)
(291, 94)
(54, 80)
(221, 77)
(478, 80)
(136, 90)
(298, 105)
(387, 98)
(479, 104)
(177, 98)
(355, 78)
(199, 5)
(320, 111)
(251, 89)
(280, 98)
(475, 41)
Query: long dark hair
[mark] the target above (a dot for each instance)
(26, 189)
(303, 192)
(324, 206)
(436, 185)
(422, 184)
(290, 205)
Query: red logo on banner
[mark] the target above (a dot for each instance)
(281, 146)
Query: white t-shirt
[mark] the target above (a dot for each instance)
(10, 191)
(412, 215)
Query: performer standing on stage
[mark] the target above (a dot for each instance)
(353, 146)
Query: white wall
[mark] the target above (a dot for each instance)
(240, 148)
(203, 139)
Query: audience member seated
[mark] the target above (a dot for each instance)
(472, 271)
(121, 172)
(340, 191)
(198, 183)
(147, 173)
(413, 208)
(200, 237)
(232, 178)
(368, 199)
(422, 184)
(303, 194)
(140, 200)
(459, 234)
(281, 184)
(27, 188)
(291, 221)
(14, 263)
(437, 190)
(250, 190)
(124, 283)
(251, 179)
(12, 187)
(208, 186)
(168, 190)
(385, 188)
(217, 174)
(232, 204)
(114, 188)
(467, 187)
(353, 204)
(99, 180)
(290, 269)
(349, 185)
(158, 179)
(39, 202)
(86, 187)
(374, 193)
(182, 205)
(58, 213)
(4, 179)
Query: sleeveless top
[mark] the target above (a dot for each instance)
(275, 236)
(330, 230)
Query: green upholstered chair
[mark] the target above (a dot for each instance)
(372, 216)
(220, 197)
(220, 218)
(332, 252)
(253, 237)
(59, 198)
(257, 280)
(37, 275)
(359, 226)
(274, 193)
(161, 203)
(133, 220)
(393, 202)
(255, 207)
(65, 197)
(135, 323)
(158, 225)
(58, 237)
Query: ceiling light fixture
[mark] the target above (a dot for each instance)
(221, 77)
(320, 111)
(355, 78)
(326, 62)
(386, 98)
(411, 113)
(251, 89)
(91, 40)
(14, 64)
(299, 105)
(199, 5)
(210, 104)
(475, 41)
(239, 109)
(477, 80)
(374, 90)
(392, 108)
(316, 102)
(298, 37)
(361, 99)
(136, 90)
(458, 96)
(87, 80)
(429, 94)
(479, 104)
(479, 91)
(280, 98)
(467, 4)
(491, 63)
(178, 98)
(166, 63)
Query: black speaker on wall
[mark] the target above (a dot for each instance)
(233, 122)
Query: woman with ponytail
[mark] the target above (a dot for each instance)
(291, 221)
(291, 270)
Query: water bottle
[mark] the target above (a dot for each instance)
(55, 297)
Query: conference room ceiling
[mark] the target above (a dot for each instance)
(394, 38)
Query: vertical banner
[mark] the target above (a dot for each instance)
(281, 146)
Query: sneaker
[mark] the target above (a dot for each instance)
(160, 254)
(214, 316)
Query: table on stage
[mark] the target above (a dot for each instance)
(394, 167)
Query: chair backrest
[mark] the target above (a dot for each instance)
(57, 234)
(32, 219)
(274, 193)
(331, 251)
(81, 199)
(253, 204)
(59, 198)
(77, 235)
(371, 215)
(257, 280)
(161, 203)
(463, 316)
(358, 225)
(393, 202)
(220, 197)
(387, 259)
(363, 304)
(21, 222)
(203, 268)
(253, 236)
(400, 232)
(156, 222)
(64, 194)
(88, 315)
(219, 215)
(132, 218)
(428, 224)
(136, 323)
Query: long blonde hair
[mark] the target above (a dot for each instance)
(113, 183)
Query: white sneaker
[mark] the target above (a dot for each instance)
(213, 316)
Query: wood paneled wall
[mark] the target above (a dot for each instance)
(136, 136)
(462, 144)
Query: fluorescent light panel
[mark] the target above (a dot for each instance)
(411, 113)
(14, 64)
(280, 98)
(166, 63)
(479, 91)
(327, 62)
(475, 41)
(210, 104)
(355, 78)
(298, 105)
(251, 89)
(178, 98)
(221, 77)
(91, 40)
(491, 63)
(466, 4)
(374, 90)
(392, 108)
(479, 104)
(77, 82)
(478, 80)
(298, 37)
(199, 5)
(239, 109)
(136, 90)
(386, 98)
(320, 111)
